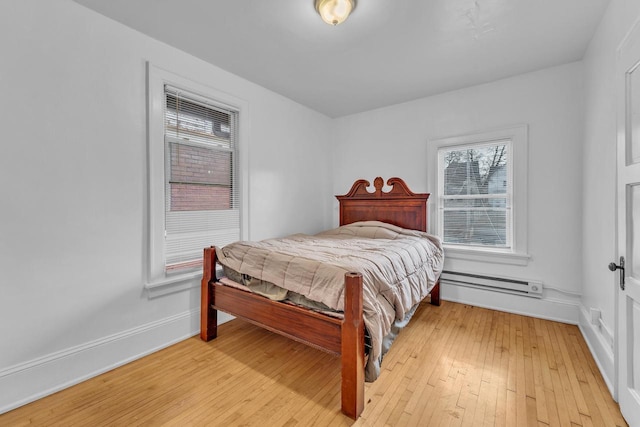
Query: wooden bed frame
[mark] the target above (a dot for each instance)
(342, 337)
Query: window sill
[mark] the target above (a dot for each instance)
(169, 285)
(484, 255)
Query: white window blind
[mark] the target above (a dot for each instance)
(201, 190)
(476, 188)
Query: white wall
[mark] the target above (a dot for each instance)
(73, 168)
(599, 201)
(392, 141)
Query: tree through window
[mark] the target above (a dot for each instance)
(476, 192)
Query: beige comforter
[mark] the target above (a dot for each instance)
(399, 267)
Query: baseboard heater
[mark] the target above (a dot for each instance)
(493, 283)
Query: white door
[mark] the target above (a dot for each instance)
(628, 300)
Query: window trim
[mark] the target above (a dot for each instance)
(157, 281)
(518, 135)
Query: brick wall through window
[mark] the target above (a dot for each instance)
(200, 178)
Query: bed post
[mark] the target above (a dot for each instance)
(208, 315)
(435, 294)
(353, 347)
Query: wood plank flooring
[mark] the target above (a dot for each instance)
(453, 365)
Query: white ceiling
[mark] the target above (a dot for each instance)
(387, 52)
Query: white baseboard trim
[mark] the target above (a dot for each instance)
(25, 382)
(560, 310)
(600, 343)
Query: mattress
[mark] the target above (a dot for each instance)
(399, 269)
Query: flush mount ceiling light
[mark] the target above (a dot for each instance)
(334, 12)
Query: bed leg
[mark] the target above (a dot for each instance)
(353, 348)
(208, 315)
(435, 294)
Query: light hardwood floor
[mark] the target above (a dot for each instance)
(453, 365)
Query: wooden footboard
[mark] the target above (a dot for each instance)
(340, 337)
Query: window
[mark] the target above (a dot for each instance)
(476, 194)
(196, 176)
(480, 208)
(201, 201)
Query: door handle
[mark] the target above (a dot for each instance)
(613, 267)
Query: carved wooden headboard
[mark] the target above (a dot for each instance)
(399, 206)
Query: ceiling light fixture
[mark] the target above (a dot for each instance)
(334, 12)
